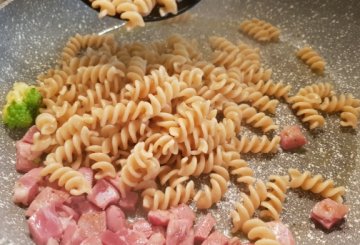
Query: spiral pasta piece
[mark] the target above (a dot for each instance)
(257, 75)
(310, 57)
(316, 184)
(262, 102)
(176, 193)
(321, 89)
(305, 107)
(260, 30)
(256, 119)
(46, 123)
(276, 189)
(250, 203)
(139, 166)
(256, 229)
(337, 103)
(210, 195)
(256, 144)
(278, 90)
(72, 180)
(350, 116)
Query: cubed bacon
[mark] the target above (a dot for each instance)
(103, 194)
(216, 238)
(46, 197)
(45, 224)
(25, 157)
(119, 185)
(81, 205)
(282, 233)
(183, 211)
(136, 238)
(93, 223)
(27, 187)
(204, 227)
(156, 239)
(29, 135)
(88, 174)
(179, 231)
(128, 203)
(159, 229)
(111, 238)
(144, 227)
(94, 240)
(292, 138)
(328, 213)
(115, 218)
(159, 217)
(68, 237)
(52, 241)
(66, 214)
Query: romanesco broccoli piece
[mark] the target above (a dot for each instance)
(23, 103)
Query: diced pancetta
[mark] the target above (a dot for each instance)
(292, 138)
(103, 194)
(282, 233)
(204, 227)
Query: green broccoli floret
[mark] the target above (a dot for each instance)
(23, 103)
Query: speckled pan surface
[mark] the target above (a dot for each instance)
(32, 33)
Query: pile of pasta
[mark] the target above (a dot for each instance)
(133, 10)
(157, 116)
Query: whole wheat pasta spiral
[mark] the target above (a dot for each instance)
(256, 119)
(316, 184)
(257, 230)
(262, 102)
(305, 107)
(72, 180)
(256, 144)
(270, 88)
(321, 89)
(350, 116)
(46, 123)
(177, 192)
(103, 164)
(257, 75)
(312, 59)
(209, 195)
(139, 166)
(260, 30)
(276, 189)
(250, 203)
(337, 103)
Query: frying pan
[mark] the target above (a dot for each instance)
(33, 32)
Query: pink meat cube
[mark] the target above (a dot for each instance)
(93, 223)
(136, 238)
(328, 213)
(282, 233)
(156, 239)
(103, 194)
(144, 227)
(45, 224)
(129, 202)
(159, 217)
(46, 197)
(179, 231)
(27, 187)
(183, 211)
(204, 227)
(25, 157)
(94, 240)
(81, 205)
(111, 238)
(66, 214)
(216, 238)
(292, 138)
(88, 174)
(29, 135)
(115, 218)
(72, 235)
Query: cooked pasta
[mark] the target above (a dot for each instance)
(276, 189)
(250, 203)
(321, 89)
(270, 88)
(257, 230)
(316, 184)
(72, 180)
(337, 103)
(312, 59)
(350, 116)
(256, 144)
(260, 30)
